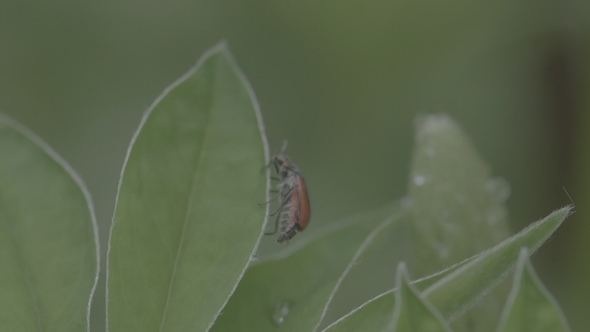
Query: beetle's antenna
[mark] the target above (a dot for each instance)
(285, 142)
(568, 195)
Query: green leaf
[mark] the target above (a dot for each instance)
(48, 237)
(530, 307)
(188, 217)
(372, 270)
(413, 313)
(375, 315)
(291, 294)
(457, 289)
(460, 290)
(458, 207)
(372, 315)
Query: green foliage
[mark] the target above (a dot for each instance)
(456, 290)
(48, 244)
(413, 313)
(293, 292)
(460, 290)
(188, 218)
(458, 207)
(188, 222)
(530, 307)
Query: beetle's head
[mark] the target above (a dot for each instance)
(283, 164)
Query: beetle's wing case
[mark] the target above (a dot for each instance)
(304, 210)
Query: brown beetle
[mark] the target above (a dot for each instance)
(294, 211)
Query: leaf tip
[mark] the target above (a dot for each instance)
(222, 49)
(570, 209)
(433, 124)
(564, 212)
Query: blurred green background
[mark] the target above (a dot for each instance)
(342, 81)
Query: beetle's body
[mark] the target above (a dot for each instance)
(294, 211)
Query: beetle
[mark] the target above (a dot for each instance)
(294, 211)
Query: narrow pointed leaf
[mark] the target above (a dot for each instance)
(291, 294)
(48, 244)
(412, 313)
(188, 217)
(460, 290)
(530, 307)
(457, 289)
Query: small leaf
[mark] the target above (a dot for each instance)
(188, 217)
(458, 288)
(291, 294)
(530, 307)
(48, 237)
(412, 313)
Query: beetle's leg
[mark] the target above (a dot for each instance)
(271, 200)
(276, 227)
(284, 202)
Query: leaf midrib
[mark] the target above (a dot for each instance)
(188, 209)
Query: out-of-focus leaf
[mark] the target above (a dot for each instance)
(48, 239)
(413, 313)
(530, 307)
(291, 294)
(188, 218)
(458, 208)
(456, 291)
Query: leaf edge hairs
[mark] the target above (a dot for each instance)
(294, 211)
